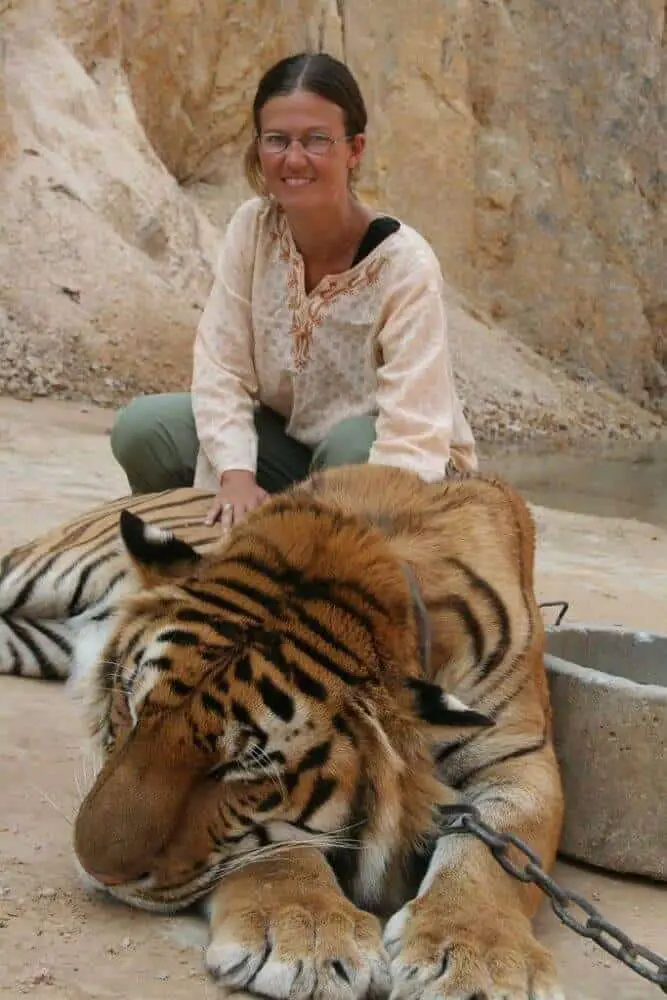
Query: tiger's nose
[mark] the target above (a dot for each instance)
(108, 880)
(114, 880)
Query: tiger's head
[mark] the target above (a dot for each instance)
(270, 692)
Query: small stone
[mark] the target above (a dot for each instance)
(44, 976)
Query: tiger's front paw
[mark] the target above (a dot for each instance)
(310, 945)
(490, 956)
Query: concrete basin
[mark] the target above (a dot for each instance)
(609, 695)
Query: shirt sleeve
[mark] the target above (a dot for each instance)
(417, 403)
(224, 381)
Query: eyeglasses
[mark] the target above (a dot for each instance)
(312, 143)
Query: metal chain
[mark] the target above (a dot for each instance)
(466, 819)
(563, 605)
(595, 927)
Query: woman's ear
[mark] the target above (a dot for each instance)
(357, 146)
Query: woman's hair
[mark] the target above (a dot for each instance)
(315, 73)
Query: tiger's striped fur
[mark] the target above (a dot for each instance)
(63, 585)
(271, 709)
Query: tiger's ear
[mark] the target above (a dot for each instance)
(439, 709)
(157, 555)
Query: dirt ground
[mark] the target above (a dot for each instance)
(58, 944)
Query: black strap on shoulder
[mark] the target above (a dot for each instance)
(378, 230)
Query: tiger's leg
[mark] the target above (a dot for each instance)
(467, 934)
(283, 928)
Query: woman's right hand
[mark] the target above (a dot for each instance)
(239, 493)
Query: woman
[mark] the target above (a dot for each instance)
(324, 340)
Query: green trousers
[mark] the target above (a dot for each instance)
(154, 439)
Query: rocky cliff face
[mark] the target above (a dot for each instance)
(525, 138)
(528, 139)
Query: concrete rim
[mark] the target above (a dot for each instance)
(610, 737)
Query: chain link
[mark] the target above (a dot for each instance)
(592, 925)
(563, 605)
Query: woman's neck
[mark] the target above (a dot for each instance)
(325, 237)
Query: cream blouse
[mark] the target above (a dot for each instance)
(370, 340)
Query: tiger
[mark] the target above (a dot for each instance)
(289, 717)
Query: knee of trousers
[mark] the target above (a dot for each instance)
(348, 443)
(130, 434)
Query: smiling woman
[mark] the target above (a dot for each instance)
(324, 340)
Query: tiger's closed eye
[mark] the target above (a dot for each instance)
(248, 759)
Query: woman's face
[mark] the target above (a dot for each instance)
(315, 171)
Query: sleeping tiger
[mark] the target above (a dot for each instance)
(289, 714)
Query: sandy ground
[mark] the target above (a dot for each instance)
(58, 944)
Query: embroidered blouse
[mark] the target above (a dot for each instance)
(371, 340)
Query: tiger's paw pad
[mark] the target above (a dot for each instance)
(435, 959)
(331, 952)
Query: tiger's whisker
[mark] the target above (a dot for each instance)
(45, 798)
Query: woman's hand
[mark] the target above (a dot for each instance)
(238, 494)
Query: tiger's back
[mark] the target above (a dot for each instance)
(469, 544)
(469, 547)
(69, 580)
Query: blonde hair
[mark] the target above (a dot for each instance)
(252, 168)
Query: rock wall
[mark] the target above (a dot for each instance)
(526, 139)
(104, 260)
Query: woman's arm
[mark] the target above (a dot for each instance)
(420, 421)
(224, 381)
